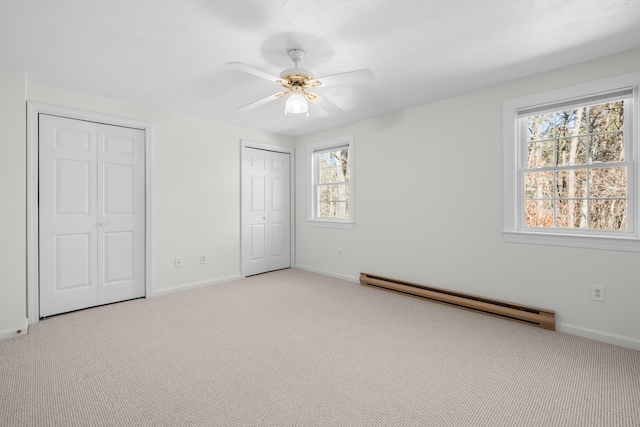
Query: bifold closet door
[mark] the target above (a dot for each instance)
(91, 214)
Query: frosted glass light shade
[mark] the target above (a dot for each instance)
(296, 104)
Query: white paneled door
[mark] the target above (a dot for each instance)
(266, 244)
(91, 214)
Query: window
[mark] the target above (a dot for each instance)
(331, 186)
(575, 175)
(571, 166)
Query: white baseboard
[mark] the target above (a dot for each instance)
(593, 334)
(15, 332)
(188, 286)
(329, 273)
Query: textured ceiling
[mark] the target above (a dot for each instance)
(171, 54)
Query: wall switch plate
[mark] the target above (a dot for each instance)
(597, 293)
(203, 258)
(179, 263)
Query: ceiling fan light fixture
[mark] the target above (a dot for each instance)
(296, 104)
(296, 81)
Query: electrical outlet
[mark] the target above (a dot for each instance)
(339, 253)
(597, 293)
(203, 258)
(179, 263)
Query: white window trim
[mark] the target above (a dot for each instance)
(513, 231)
(348, 223)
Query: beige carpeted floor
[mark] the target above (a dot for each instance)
(292, 348)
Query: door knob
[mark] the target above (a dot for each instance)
(103, 223)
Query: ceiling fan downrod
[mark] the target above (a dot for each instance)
(296, 55)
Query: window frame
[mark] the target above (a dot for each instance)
(322, 146)
(514, 164)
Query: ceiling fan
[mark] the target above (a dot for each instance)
(297, 83)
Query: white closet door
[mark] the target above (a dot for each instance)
(68, 212)
(91, 212)
(120, 214)
(266, 242)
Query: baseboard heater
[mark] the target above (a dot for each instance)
(506, 310)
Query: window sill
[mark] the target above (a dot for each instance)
(629, 244)
(331, 224)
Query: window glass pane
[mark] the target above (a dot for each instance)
(323, 194)
(571, 213)
(606, 117)
(333, 209)
(540, 154)
(539, 185)
(571, 183)
(334, 166)
(345, 155)
(342, 209)
(325, 159)
(572, 151)
(328, 193)
(540, 127)
(538, 213)
(330, 174)
(343, 192)
(342, 161)
(607, 147)
(324, 210)
(608, 182)
(608, 214)
(571, 122)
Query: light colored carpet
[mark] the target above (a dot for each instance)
(293, 348)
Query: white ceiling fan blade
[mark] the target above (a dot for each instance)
(327, 106)
(348, 77)
(260, 102)
(256, 72)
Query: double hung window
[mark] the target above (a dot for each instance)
(331, 185)
(571, 166)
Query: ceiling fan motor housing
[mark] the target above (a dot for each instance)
(296, 76)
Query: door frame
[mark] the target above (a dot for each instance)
(33, 261)
(244, 143)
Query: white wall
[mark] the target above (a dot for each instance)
(195, 188)
(195, 192)
(13, 174)
(429, 210)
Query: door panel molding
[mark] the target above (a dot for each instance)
(34, 109)
(278, 149)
